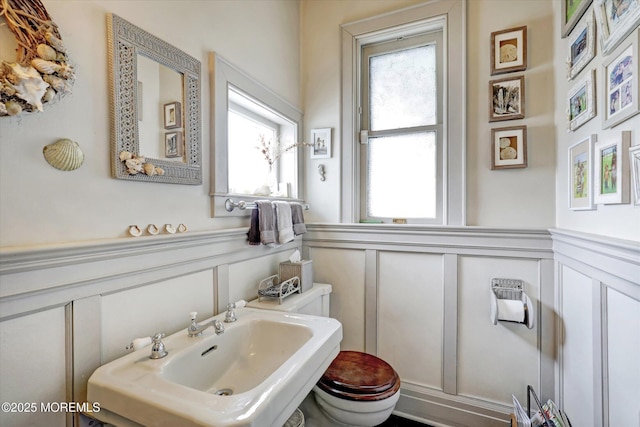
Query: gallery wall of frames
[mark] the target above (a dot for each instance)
(606, 89)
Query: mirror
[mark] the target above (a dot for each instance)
(155, 108)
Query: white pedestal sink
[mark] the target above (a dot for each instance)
(254, 374)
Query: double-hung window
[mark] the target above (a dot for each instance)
(402, 138)
(403, 116)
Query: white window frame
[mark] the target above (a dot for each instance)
(451, 16)
(224, 75)
(433, 38)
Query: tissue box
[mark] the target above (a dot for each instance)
(302, 269)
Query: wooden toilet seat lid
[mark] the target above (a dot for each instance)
(354, 375)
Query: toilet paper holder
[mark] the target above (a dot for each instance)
(510, 289)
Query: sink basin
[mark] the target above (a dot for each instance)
(254, 374)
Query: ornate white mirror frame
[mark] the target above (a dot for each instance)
(126, 41)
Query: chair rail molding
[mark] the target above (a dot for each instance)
(32, 279)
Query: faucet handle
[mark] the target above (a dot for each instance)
(231, 314)
(193, 315)
(157, 348)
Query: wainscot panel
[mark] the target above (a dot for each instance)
(426, 310)
(598, 305)
(67, 309)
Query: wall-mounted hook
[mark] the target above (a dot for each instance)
(321, 172)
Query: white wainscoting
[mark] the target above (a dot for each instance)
(65, 310)
(419, 298)
(598, 304)
(416, 296)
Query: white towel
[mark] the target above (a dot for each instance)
(284, 222)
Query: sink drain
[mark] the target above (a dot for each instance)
(224, 392)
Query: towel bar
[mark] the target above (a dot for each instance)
(230, 205)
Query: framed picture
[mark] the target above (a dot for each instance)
(173, 144)
(634, 162)
(616, 19)
(506, 97)
(611, 183)
(581, 101)
(581, 174)
(621, 90)
(172, 115)
(509, 147)
(509, 50)
(321, 140)
(582, 47)
(572, 10)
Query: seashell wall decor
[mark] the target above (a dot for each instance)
(42, 72)
(137, 164)
(64, 154)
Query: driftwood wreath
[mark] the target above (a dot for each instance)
(41, 73)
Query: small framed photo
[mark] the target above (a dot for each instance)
(581, 174)
(581, 101)
(173, 144)
(634, 162)
(509, 50)
(572, 10)
(620, 84)
(172, 115)
(506, 99)
(611, 183)
(582, 47)
(509, 147)
(616, 19)
(321, 141)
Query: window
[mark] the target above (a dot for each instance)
(257, 138)
(403, 116)
(254, 130)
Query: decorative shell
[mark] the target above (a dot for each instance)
(28, 85)
(59, 84)
(135, 231)
(153, 229)
(64, 154)
(55, 42)
(149, 169)
(169, 228)
(182, 228)
(13, 108)
(46, 52)
(44, 66)
(48, 95)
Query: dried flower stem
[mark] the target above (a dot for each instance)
(273, 151)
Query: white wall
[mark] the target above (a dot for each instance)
(520, 197)
(41, 205)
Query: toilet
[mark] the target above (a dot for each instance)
(358, 389)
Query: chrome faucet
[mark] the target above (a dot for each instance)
(157, 348)
(195, 330)
(230, 317)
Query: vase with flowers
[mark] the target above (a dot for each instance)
(272, 150)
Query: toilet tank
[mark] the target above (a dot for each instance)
(314, 301)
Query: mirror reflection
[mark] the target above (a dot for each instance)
(160, 101)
